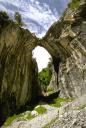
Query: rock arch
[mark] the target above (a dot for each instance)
(65, 41)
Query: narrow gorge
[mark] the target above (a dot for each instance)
(66, 43)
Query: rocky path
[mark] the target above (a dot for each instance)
(67, 115)
(72, 115)
(39, 121)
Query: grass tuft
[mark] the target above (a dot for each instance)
(57, 102)
(10, 120)
(22, 116)
(41, 110)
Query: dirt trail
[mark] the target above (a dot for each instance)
(39, 121)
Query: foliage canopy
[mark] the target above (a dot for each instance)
(44, 76)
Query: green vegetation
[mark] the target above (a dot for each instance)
(44, 77)
(4, 18)
(50, 89)
(18, 19)
(80, 107)
(10, 120)
(22, 116)
(4, 15)
(29, 116)
(74, 4)
(57, 102)
(41, 110)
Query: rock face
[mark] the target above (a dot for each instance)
(53, 82)
(18, 71)
(65, 41)
(72, 74)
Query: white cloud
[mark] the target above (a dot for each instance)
(31, 9)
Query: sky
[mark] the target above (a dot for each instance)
(38, 16)
(42, 57)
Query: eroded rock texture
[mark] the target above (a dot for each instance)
(65, 41)
(18, 71)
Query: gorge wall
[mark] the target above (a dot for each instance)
(18, 71)
(65, 41)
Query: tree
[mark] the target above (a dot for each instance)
(18, 19)
(45, 75)
(4, 18)
(4, 15)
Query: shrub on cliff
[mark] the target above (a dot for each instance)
(18, 18)
(74, 4)
(4, 15)
(4, 18)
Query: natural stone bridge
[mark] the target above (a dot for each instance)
(65, 41)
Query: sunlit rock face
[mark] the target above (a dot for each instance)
(66, 42)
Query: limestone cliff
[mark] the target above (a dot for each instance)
(18, 71)
(66, 42)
